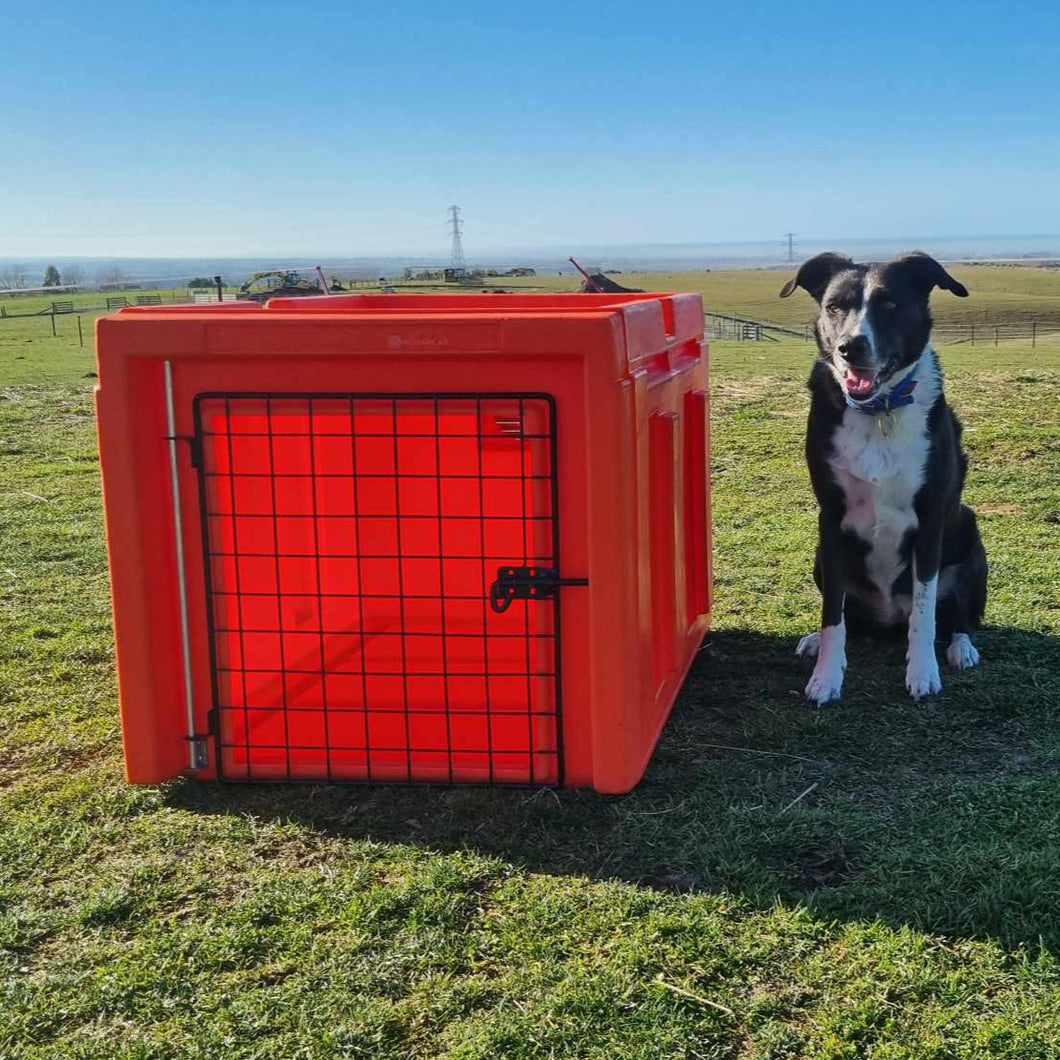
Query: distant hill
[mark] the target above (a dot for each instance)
(551, 260)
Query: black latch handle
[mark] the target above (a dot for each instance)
(526, 583)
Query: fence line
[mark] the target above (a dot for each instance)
(987, 334)
(62, 306)
(722, 327)
(719, 326)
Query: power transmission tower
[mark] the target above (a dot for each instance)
(456, 223)
(790, 239)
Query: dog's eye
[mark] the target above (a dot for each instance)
(833, 308)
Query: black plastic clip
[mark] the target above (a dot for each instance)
(194, 446)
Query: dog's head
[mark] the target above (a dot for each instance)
(874, 319)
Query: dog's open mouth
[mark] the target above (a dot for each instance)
(860, 382)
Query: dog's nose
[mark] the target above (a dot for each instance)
(855, 346)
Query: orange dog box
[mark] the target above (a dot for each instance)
(405, 538)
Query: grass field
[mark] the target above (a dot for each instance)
(904, 907)
(999, 293)
(37, 301)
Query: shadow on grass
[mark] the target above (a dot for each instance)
(944, 815)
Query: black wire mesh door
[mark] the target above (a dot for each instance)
(351, 542)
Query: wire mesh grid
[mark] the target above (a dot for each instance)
(350, 542)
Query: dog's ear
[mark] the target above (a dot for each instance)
(816, 274)
(926, 273)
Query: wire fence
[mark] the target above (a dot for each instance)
(726, 328)
(105, 302)
(986, 334)
(720, 327)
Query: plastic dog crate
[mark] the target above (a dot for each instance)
(450, 539)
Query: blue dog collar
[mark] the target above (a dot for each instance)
(900, 394)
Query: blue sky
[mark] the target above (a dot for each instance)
(348, 127)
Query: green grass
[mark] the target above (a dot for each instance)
(904, 907)
(998, 293)
(19, 305)
(29, 354)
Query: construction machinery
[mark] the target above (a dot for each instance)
(277, 283)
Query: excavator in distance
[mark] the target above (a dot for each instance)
(290, 285)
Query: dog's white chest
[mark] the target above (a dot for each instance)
(880, 472)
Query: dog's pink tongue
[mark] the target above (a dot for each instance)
(860, 381)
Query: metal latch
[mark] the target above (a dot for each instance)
(526, 583)
(200, 754)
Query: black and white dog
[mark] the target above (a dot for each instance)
(895, 544)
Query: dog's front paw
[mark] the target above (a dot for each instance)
(826, 683)
(961, 653)
(922, 676)
(809, 646)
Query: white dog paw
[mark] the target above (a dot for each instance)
(825, 685)
(809, 646)
(961, 653)
(922, 677)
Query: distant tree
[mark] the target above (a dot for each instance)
(52, 277)
(13, 277)
(111, 278)
(200, 281)
(74, 275)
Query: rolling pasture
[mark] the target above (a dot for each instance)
(1000, 294)
(879, 878)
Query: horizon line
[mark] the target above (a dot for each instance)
(551, 249)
